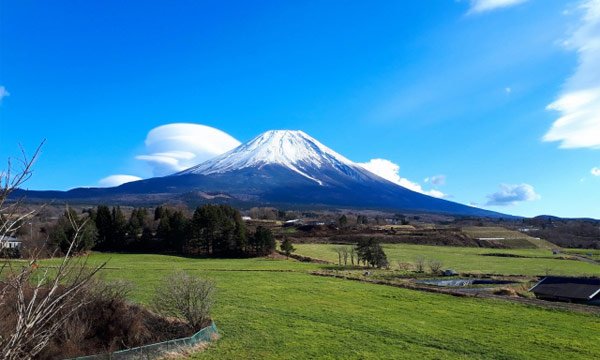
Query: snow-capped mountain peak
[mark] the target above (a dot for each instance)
(293, 149)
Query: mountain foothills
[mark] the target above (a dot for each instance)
(277, 167)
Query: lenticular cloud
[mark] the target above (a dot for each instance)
(176, 147)
(579, 104)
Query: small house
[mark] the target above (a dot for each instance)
(570, 289)
(9, 242)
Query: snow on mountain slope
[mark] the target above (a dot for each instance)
(292, 149)
(278, 167)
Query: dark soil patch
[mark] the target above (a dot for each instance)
(506, 255)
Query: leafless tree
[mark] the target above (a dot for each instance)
(345, 254)
(338, 250)
(36, 301)
(420, 264)
(186, 296)
(352, 253)
(435, 265)
(404, 266)
(17, 172)
(42, 299)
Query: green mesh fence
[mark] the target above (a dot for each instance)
(157, 350)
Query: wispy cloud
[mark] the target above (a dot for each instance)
(391, 172)
(510, 194)
(437, 180)
(116, 180)
(480, 6)
(579, 102)
(595, 171)
(3, 93)
(178, 146)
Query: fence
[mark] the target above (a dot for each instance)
(153, 351)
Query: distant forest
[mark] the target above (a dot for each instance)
(576, 233)
(213, 230)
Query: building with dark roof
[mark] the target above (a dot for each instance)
(570, 289)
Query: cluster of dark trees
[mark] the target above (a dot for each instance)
(370, 252)
(575, 233)
(212, 230)
(367, 251)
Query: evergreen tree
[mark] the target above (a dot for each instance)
(159, 213)
(63, 233)
(118, 229)
(287, 247)
(262, 242)
(370, 252)
(103, 222)
(217, 230)
(178, 235)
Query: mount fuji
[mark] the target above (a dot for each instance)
(278, 167)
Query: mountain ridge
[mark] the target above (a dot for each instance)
(278, 167)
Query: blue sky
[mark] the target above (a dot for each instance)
(489, 102)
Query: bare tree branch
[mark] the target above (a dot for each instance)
(40, 299)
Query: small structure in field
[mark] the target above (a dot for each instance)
(449, 272)
(570, 289)
(9, 242)
(246, 218)
(293, 222)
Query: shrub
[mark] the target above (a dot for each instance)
(185, 296)
(420, 264)
(435, 266)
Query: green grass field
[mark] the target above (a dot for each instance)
(513, 238)
(470, 259)
(593, 254)
(274, 309)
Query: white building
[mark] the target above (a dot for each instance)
(9, 242)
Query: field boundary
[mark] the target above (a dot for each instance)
(303, 258)
(161, 349)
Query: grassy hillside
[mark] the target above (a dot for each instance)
(274, 309)
(514, 239)
(469, 259)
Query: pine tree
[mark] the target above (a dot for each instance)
(103, 221)
(287, 247)
(118, 229)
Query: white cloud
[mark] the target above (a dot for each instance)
(391, 172)
(512, 194)
(437, 180)
(479, 6)
(507, 90)
(579, 103)
(596, 171)
(116, 180)
(3, 92)
(176, 147)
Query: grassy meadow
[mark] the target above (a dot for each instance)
(274, 309)
(470, 259)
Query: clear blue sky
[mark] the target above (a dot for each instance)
(440, 87)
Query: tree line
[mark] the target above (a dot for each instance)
(212, 230)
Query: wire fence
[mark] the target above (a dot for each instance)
(154, 351)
